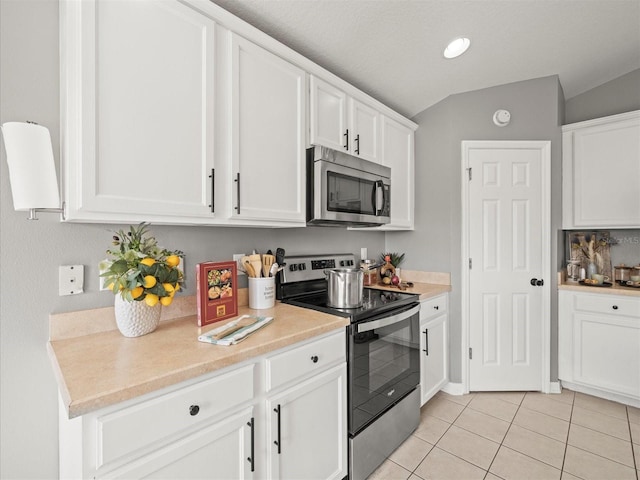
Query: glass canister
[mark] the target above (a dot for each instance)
(573, 270)
(622, 273)
(370, 271)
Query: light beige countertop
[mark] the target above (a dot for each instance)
(425, 290)
(425, 284)
(96, 366)
(615, 289)
(101, 369)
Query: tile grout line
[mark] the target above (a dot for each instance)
(566, 443)
(505, 436)
(633, 451)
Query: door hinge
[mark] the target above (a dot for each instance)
(470, 264)
(469, 170)
(470, 353)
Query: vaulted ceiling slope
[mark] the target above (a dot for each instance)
(392, 49)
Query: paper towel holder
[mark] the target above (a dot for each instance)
(32, 171)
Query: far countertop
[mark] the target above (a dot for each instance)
(614, 289)
(96, 366)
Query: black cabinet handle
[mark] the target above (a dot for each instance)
(358, 144)
(615, 307)
(314, 359)
(213, 190)
(252, 457)
(346, 141)
(277, 442)
(436, 307)
(193, 410)
(237, 180)
(426, 342)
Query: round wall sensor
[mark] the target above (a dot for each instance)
(501, 118)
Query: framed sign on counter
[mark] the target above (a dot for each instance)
(216, 291)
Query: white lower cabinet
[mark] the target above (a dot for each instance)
(307, 428)
(224, 425)
(434, 340)
(599, 345)
(220, 451)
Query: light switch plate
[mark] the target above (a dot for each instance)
(70, 279)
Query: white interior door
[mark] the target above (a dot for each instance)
(508, 243)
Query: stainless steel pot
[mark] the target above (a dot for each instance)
(344, 287)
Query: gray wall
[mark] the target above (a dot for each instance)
(617, 96)
(30, 252)
(435, 245)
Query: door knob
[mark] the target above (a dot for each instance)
(537, 283)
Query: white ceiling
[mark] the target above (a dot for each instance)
(392, 49)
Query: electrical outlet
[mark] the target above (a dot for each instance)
(70, 279)
(236, 258)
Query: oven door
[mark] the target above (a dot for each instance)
(384, 364)
(344, 194)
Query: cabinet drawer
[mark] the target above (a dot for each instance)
(608, 304)
(135, 427)
(305, 360)
(433, 306)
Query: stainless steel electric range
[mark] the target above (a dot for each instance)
(383, 364)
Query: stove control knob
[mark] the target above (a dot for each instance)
(293, 267)
(342, 263)
(302, 266)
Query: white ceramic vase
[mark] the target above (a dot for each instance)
(135, 319)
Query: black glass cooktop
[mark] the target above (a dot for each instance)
(374, 302)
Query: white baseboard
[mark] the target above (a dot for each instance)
(554, 387)
(453, 388)
(596, 392)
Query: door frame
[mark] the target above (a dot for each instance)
(545, 149)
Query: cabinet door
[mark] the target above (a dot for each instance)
(220, 451)
(398, 153)
(607, 352)
(327, 115)
(604, 172)
(268, 143)
(307, 431)
(138, 93)
(433, 356)
(365, 131)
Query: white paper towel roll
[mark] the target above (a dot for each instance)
(32, 170)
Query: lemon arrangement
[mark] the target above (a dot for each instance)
(143, 276)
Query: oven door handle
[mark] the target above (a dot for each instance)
(383, 322)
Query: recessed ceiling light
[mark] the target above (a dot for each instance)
(457, 47)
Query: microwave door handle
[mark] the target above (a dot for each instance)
(380, 200)
(383, 322)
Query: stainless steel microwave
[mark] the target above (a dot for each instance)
(343, 190)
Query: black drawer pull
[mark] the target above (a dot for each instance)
(436, 307)
(251, 459)
(314, 359)
(193, 410)
(615, 307)
(278, 442)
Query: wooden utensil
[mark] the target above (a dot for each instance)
(235, 326)
(256, 263)
(249, 269)
(267, 261)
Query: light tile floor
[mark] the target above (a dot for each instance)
(518, 436)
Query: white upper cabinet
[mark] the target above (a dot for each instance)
(327, 115)
(178, 112)
(268, 135)
(343, 123)
(365, 125)
(398, 153)
(601, 172)
(138, 110)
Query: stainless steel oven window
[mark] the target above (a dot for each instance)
(384, 364)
